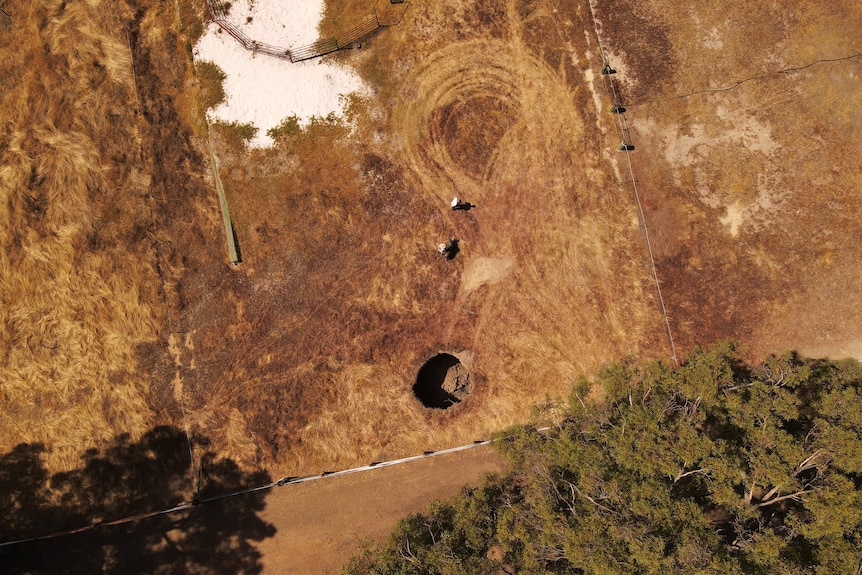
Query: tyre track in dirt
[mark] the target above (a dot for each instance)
(511, 90)
(537, 185)
(518, 82)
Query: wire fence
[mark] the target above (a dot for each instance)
(284, 481)
(219, 13)
(370, 24)
(618, 110)
(623, 134)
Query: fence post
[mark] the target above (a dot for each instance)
(228, 224)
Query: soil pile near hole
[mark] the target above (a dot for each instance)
(442, 382)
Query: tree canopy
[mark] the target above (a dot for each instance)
(713, 467)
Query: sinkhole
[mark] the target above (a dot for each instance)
(442, 382)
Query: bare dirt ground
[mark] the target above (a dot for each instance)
(313, 343)
(747, 121)
(320, 525)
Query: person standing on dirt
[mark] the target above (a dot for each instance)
(457, 204)
(450, 249)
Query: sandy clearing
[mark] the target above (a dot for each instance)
(262, 90)
(481, 271)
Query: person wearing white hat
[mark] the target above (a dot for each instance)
(457, 204)
(450, 249)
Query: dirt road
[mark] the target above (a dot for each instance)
(320, 524)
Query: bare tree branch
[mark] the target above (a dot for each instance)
(810, 462)
(813, 431)
(590, 499)
(680, 475)
(410, 556)
(750, 492)
(772, 493)
(775, 375)
(783, 497)
(580, 400)
(735, 387)
(644, 398)
(431, 532)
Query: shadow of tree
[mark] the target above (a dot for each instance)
(124, 480)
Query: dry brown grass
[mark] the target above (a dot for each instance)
(119, 311)
(75, 303)
(88, 203)
(342, 15)
(342, 295)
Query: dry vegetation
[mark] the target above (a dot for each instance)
(752, 189)
(79, 289)
(118, 310)
(94, 178)
(343, 295)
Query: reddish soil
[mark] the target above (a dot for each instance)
(746, 120)
(746, 126)
(304, 356)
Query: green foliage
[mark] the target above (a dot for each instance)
(330, 123)
(449, 539)
(288, 128)
(289, 133)
(210, 77)
(235, 134)
(713, 467)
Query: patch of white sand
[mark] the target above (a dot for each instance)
(733, 218)
(262, 90)
(481, 271)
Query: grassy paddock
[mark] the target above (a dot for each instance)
(95, 171)
(79, 291)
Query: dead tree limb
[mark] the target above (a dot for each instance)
(680, 475)
(574, 489)
(794, 496)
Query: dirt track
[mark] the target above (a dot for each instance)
(319, 525)
(303, 358)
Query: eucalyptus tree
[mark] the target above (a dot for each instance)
(713, 467)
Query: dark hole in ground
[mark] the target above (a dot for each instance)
(429, 382)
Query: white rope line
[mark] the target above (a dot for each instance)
(280, 483)
(621, 126)
(651, 257)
